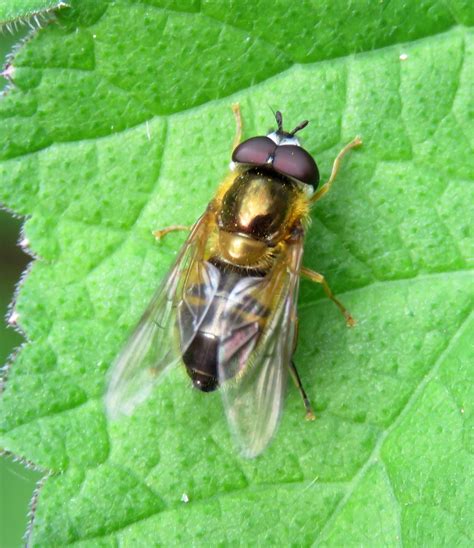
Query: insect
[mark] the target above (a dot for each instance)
(227, 307)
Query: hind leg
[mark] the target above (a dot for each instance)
(307, 405)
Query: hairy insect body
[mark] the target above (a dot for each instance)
(255, 214)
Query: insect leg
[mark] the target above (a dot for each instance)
(238, 125)
(158, 234)
(335, 168)
(319, 279)
(307, 405)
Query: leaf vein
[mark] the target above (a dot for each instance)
(375, 455)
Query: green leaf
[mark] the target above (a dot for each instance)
(24, 11)
(120, 123)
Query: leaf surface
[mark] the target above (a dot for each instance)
(119, 123)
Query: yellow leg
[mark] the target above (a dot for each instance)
(335, 168)
(158, 234)
(319, 279)
(238, 124)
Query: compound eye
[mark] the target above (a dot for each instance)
(293, 161)
(255, 151)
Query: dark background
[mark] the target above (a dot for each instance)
(16, 482)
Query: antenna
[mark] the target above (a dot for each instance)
(300, 126)
(279, 119)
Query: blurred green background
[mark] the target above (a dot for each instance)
(16, 482)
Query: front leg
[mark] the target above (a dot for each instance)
(335, 168)
(238, 125)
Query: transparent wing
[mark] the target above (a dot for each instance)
(255, 356)
(153, 345)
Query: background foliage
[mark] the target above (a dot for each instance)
(119, 122)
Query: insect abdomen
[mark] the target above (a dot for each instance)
(228, 330)
(200, 359)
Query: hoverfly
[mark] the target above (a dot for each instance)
(227, 307)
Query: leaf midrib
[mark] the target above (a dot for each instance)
(197, 107)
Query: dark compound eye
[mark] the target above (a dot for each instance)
(255, 151)
(293, 161)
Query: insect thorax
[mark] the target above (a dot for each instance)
(255, 215)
